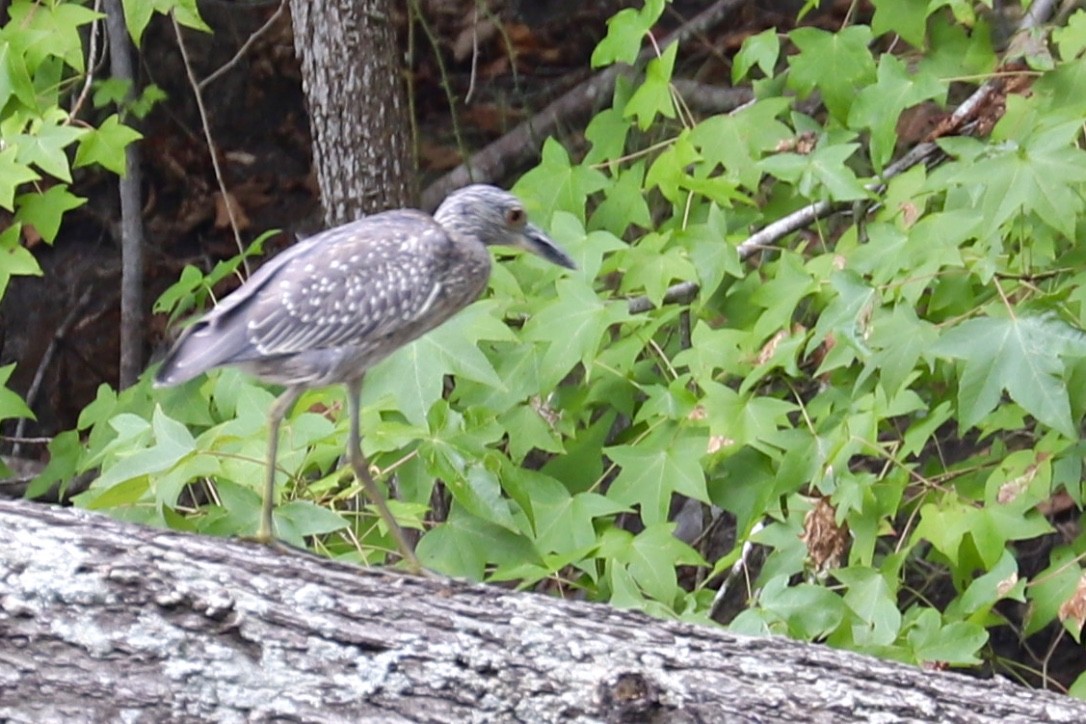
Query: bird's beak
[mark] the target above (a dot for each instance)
(534, 240)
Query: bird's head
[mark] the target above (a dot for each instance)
(497, 217)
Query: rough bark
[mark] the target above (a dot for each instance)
(106, 621)
(353, 82)
(133, 328)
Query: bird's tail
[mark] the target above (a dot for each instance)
(200, 348)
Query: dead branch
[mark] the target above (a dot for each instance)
(524, 141)
(102, 620)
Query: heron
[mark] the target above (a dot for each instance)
(330, 307)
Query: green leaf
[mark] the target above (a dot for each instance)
(573, 327)
(45, 210)
(414, 375)
(810, 612)
(907, 18)
(998, 583)
(823, 168)
(624, 203)
(879, 106)
(64, 452)
(296, 520)
(653, 96)
(15, 259)
(15, 79)
(760, 50)
(11, 405)
(12, 174)
(172, 441)
(899, 339)
(1041, 176)
(650, 474)
(564, 522)
(1071, 38)
(873, 602)
(481, 495)
(624, 33)
(588, 250)
(59, 22)
(137, 14)
(464, 545)
(652, 557)
(738, 140)
(743, 418)
(607, 133)
(1050, 588)
(558, 185)
(105, 145)
(956, 644)
(45, 147)
(849, 312)
(837, 64)
(1019, 355)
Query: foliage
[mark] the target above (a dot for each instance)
(887, 402)
(42, 70)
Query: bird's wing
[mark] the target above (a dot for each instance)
(346, 284)
(359, 283)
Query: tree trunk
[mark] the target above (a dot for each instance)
(106, 621)
(353, 80)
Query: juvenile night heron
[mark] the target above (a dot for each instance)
(330, 307)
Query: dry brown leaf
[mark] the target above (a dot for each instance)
(1004, 587)
(826, 541)
(718, 443)
(222, 215)
(435, 157)
(31, 237)
(770, 347)
(1074, 608)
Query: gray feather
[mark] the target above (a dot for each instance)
(335, 304)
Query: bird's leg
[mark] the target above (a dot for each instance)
(279, 409)
(362, 470)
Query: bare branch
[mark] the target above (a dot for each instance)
(132, 313)
(681, 293)
(923, 152)
(46, 360)
(524, 141)
(227, 199)
(222, 69)
(92, 61)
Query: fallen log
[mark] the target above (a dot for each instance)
(102, 620)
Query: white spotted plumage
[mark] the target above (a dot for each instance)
(333, 305)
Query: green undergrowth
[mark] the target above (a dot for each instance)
(887, 402)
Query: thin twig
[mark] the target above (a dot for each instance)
(681, 293)
(780, 228)
(222, 69)
(496, 159)
(474, 55)
(738, 567)
(19, 440)
(226, 197)
(44, 363)
(92, 55)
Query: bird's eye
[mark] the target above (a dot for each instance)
(515, 217)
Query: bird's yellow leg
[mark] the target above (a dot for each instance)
(362, 471)
(282, 405)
